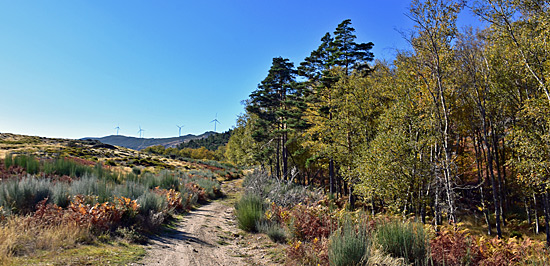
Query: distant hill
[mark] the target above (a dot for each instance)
(212, 142)
(142, 143)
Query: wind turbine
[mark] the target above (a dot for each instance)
(180, 130)
(117, 129)
(215, 121)
(140, 130)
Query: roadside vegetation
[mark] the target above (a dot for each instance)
(51, 206)
(319, 230)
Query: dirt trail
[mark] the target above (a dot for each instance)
(208, 236)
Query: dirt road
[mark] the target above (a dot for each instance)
(209, 236)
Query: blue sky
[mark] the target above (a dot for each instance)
(75, 69)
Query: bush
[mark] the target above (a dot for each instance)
(130, 190)
(282, 193)
(249, 211)
(211, 187)
(348, 245)
(31, 164)
(21, 196)
(272, 229)
(91, 185)
(404, 240)
(66, 167)
(151, 203)
(308, 223)
(60, 195)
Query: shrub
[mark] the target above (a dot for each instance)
(453, 247)
(308, 253)
(130, 190)
(249, 211)
(211, 187)
(308, 223)
(272, 229)
(151, 203)
(91, 185)
(21, 196)
(28, 162)
(348, 245)
(60, 195)
(404, 240)
(68, 167)
(8, 161)
(168, 180)
(136, 170)
(282, 193)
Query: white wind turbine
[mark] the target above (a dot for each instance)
(179, 132)
(140, 130)
(215, 121)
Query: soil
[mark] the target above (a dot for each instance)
(209, 236)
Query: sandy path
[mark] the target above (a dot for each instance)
(205, 236)
(209, 236)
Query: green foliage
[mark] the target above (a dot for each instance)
(211, 187)
(66, 167)
(21, 196)
(151, 203)
(130, 189)
(249, 210)
(282, 193)
(8, 161)
(212, 142)
(273, 230)
(349, 245)
(28, 162)
(404, 240)
(60, 194)
(92, 185)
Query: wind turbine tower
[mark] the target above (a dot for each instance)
(117, 129)
(215, 121)
(140, 130)
(179, 132)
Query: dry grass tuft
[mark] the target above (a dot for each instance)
(19, 237)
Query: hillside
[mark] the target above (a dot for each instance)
(142, 143)
(212, 142)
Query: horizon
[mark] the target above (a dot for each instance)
(81, 69)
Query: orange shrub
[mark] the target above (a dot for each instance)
(173, 198)
(309, 223)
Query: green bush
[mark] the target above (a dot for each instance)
(129, 189)
(275, 232)
(151, 203)
(168, 180)
(60, 195)
(31, 164)
(91, 185)
(249, 211)
(21, 196)
(210, 186)
(348, 245)
(8, 161)
(404, 240)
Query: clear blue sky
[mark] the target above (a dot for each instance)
(75, 69)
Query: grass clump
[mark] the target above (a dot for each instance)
(404, 240)
(249, 211)
(273, 230)
(20, 196)
(349, 245)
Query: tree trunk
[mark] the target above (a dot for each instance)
(537, 223)
(285, 154)
(500, 181)
(546, 218)
(331, 175)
